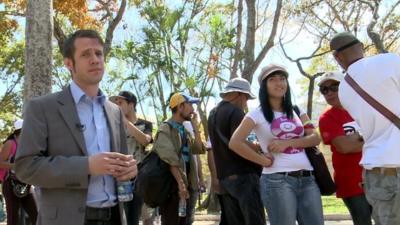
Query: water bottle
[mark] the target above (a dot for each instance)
(125, 191)
(252, 137)
(182, 207)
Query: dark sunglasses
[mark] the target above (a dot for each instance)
(325, 89)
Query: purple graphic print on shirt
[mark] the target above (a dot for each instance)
(283, 128)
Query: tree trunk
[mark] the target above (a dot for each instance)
(237, 55)
(250, 39)
(38, 52)
(310, 95)
(252, 64)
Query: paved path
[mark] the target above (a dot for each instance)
(326, 223)
(213, 220)
(329, 220)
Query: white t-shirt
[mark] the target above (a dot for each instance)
(379, 76)
(189, 128)
(291, 159)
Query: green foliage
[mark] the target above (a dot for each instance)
(12, 59)
(11, 76)
(175, 50)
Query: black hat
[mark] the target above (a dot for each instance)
(343, 40)
(127, 95)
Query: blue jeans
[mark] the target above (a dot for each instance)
(242, 203)
(288, 199)
(359, 209)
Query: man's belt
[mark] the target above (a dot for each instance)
(102, 214)
(384, 171)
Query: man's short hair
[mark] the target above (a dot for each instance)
(69, 43)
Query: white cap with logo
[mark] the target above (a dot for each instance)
(336, 76)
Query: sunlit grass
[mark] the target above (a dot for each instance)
(333, 205)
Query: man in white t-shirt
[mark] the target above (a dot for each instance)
(379, 76)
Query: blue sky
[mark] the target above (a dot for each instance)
(274, 56)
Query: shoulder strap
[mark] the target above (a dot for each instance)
(372, 102)
(297, 110)
(13, 151)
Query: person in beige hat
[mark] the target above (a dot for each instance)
(236, 172)
(288, 188)
(340, 132)
(378, 76)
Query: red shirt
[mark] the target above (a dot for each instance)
(348, 172)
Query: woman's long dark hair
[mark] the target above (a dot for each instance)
(266, 108)
(12, 136)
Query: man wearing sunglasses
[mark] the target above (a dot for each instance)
(341, 133)
(379, 76)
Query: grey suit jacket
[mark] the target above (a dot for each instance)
(52, 156)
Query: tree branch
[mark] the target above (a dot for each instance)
(250, 37)
(111, 27)
(58, 34)
(270, 43)
(12, 13)
(337, 16)
(236, 56)
(373, 35)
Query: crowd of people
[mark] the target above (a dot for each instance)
(77, 152)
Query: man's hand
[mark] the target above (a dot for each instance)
(193, 120)
(128, 172)
(183, 192)
(202, 186)
(121, 166)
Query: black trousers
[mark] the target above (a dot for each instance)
(359, 209)
(133, 210)
(13, 205)
(169, 211)
(102, 216)
(242, 204)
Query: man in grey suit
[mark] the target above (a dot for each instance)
(73, 144)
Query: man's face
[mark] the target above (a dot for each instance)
(243, 99)
(126, 107)
(186, 110)
(329, 89)
(338, 58)
(87, 65)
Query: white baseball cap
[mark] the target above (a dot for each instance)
(18, 124)
(336, 76)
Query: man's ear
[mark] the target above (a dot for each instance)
(337, 56)
(69, 64)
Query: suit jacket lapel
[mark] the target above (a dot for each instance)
(112, 123)
(69, 113)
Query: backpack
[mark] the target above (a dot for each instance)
(154, 181)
